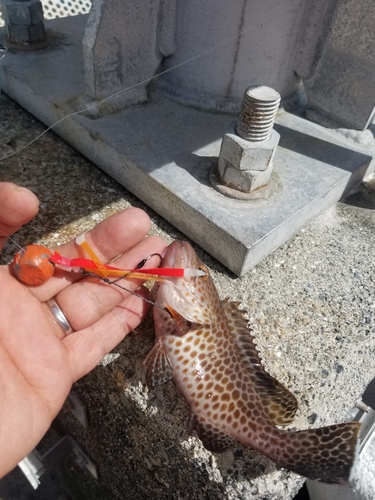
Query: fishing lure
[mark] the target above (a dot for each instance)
(35, 264)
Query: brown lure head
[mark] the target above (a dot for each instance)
(32, 266)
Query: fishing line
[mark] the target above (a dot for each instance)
(114, 282)
(11, 239)
(93, 106)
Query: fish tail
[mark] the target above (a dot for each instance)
(327, 454)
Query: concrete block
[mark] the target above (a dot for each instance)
(120, 50)
(217, 82)
(341, 90)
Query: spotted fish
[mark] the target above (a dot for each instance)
(204, 344)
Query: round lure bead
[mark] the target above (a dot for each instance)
(32, 265)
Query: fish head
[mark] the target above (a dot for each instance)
(190, 299)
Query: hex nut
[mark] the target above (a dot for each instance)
(26, 35)
(243, 154)
(246, 181)
(26, 13)
(246, 165)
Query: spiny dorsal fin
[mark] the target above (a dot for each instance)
(281, 404)
(213, 439)
(157, 367)
(241, 335)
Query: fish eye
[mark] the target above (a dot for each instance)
(203, 268)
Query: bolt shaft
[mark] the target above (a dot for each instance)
(258, 113)
(362, 406)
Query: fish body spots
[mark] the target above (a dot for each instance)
(209, 372)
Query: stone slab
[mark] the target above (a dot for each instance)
(163, 153)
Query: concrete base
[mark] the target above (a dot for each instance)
(163, 153)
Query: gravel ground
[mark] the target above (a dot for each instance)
(310, 305)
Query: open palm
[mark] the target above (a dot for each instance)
(38, 363)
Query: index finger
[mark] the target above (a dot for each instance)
(18, 205)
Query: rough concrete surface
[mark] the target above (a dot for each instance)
(310, 305)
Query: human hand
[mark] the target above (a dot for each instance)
(38, 362)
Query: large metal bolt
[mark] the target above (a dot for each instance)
(258, 113)
(248, 147)
(24, 22)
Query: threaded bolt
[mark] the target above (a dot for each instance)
(362, 406)
(258, 113)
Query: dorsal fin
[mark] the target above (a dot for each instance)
(280, 403)
(241, 335)
(212, 438)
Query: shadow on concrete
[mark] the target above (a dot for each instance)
(362, 197)
(322, 151)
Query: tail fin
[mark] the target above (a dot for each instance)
(327, 454)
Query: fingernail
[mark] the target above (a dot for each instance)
(26, 192)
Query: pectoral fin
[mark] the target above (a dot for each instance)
(183, 325)
(157, 366)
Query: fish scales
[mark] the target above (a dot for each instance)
(205, 345)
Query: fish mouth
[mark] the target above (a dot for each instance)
(179, 254)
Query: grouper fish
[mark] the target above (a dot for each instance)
(205, 345)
